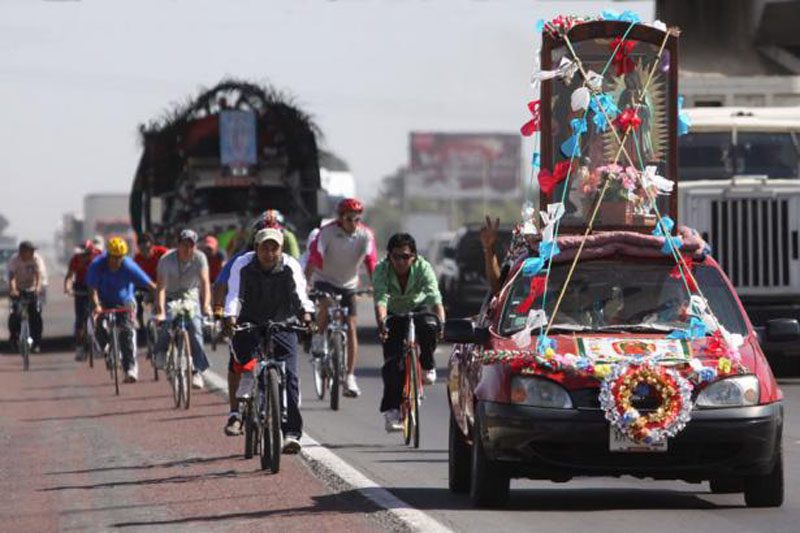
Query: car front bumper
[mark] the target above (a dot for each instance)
(560, 443)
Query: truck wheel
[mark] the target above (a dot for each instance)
(459, 459)
(489, 487)
(766, 490)
(726, 485)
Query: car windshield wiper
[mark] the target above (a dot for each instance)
(636, 327)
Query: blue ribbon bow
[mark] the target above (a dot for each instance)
(571, 147)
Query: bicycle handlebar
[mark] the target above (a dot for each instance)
(112, 310)
(414, 314)
(318, 294)
(284, 325)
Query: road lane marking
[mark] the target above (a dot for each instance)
(318, 455)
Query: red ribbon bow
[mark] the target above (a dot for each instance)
(716, 345)
(622, 63)
(548, 181)
(536, 290)
(628, 119)
(684, 269)
(532, 125)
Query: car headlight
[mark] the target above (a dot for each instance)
(738, 391)
(539, 392)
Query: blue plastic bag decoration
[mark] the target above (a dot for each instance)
(543, 342)
(548, 249)
(599, 103)
(670, 244)
(664, 227)
(697, 330)
(571, 147)
(536, 160)
(683, 119)
(625, 16)
(532, 266)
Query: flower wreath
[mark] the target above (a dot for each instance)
(672, 414)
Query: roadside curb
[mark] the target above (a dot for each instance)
(342, 476)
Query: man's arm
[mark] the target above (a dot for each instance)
(491, 265)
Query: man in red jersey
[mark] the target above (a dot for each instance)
(147, 258)
(75, 285)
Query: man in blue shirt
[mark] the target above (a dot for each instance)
(112, 278)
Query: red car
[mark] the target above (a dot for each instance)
(520, 413)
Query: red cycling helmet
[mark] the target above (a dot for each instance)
(350, 205)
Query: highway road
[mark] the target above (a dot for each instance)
(132, 461)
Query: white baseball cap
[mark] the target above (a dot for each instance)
(269, 234)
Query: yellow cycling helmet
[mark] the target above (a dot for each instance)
(117, 247)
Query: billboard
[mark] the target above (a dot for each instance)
(464, 165)
(237, 138)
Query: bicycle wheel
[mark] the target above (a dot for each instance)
(89, 344)
(173, 376)
(410, 406)
(271, 441)
(186, 365)
(250, 429)
(115, 358)
(335, 363)
(24, 345)
(417, 394)
(320, 376)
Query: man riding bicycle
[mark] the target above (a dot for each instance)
(75, 285)
(147, 257)
(183, 275)
(265, 285)
(26, 273)
(111, 279)
(404, 282)
(334, 257)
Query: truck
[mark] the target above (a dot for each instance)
(740, 188)
(106, 214)
(223, 157)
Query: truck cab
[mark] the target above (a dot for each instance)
(740, 188)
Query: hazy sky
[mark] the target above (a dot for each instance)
(77, 77)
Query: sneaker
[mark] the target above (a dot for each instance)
(245, 386)
(234, 425)
(197, 380)
(319, 344)
(392, 421)
(351, 389)
(130, 377)
(429, 376)
(291, 444)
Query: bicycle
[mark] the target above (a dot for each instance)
(111, 350)
(178, 366)
(24, 339)
(331, 368)
(151, 336)
(264, 411)
(412, 381)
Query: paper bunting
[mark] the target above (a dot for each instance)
(532, 266)
(684, 122)
(580, 99)
(565, 71)
(594, 82)
(652, 180)
(549, 218)
(625, 16)
(548, 180)
(671, 244)
(532, 125)
(664, 227)
(535, 290)
(548, 249)
(572, 146)
(603, 106)
(628, 119)
(623, 64)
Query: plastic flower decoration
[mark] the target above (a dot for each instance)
(628, 119)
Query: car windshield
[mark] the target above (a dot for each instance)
(714, 155)
(607, 295)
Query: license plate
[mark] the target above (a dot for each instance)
(621, 443)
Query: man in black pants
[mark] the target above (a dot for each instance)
(404, 282)
(266, 285)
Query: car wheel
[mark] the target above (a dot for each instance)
(459, 459)
(726, 485)
(489, 486)
(766, 490)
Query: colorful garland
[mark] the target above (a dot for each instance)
(671, 416)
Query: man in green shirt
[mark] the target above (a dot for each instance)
(404, 282)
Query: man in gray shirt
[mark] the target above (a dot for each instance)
(183, 277)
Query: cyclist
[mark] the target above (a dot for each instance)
(266, 285)
(268, 219)
(404, 282)
(147, 257)
(215, 257)
(26, 273)
(111, 279)
(183, 275)
(75, 282)
(335, 255)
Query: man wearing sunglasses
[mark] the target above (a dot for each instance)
(334, 257)
(404, 282)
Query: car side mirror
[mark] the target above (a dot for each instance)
(449, 252)
(783, 330)
(463, 330)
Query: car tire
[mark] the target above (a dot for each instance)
(459, 459)
(489, 486)
(726, 485)
(766, 490)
